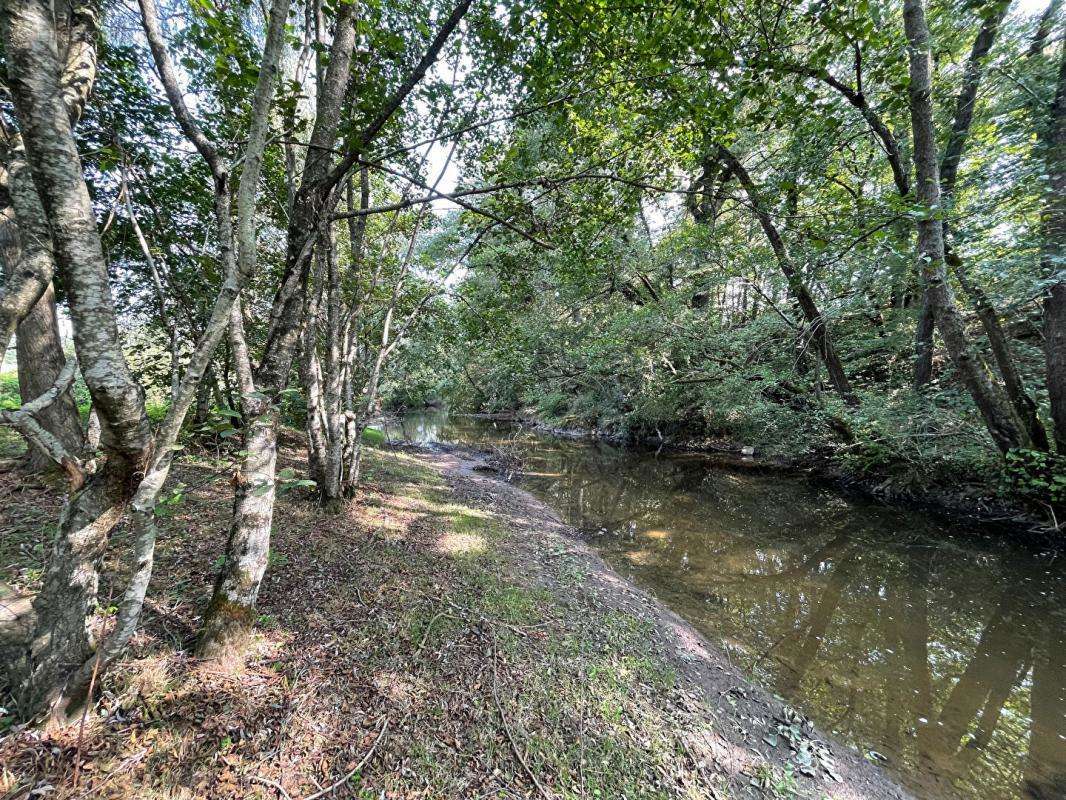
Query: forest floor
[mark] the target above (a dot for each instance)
(445, 636)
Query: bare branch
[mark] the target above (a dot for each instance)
(23, 420)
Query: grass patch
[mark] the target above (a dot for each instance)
(373, 437)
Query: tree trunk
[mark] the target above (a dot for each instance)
(62, 638)
(40, 360)
(311, 375)
(1020, 401)
(208, 386)
(237, 272)
(1024, 405)
(819, 330)
(923, 344)
(238, 582)
(231, 612)
(1055, 328)
(997, 416)
(1043, 29)
(29, 261)
(39, 352)
(1053, 257)
(949, 170)
(331, 490)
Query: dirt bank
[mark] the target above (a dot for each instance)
(732, 722)
(445, 636)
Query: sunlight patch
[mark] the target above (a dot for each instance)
(461, 544)
(399, 689)
(641, 557)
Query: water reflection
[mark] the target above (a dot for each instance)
(938, 649)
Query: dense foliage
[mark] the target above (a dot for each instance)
(654, 305)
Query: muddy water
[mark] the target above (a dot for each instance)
(936, 649)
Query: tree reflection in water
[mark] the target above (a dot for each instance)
(940, 648)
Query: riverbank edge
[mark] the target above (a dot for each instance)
(952, 506)
(548, 543)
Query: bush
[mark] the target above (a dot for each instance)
(9, 390)
(1039, 477)
(373, 437)
(552, 406)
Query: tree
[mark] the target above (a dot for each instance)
(63, 656)
(27, 256)
(997, 415)
(1053, 255)
(64, 605)
(819, 328)
(230, 612)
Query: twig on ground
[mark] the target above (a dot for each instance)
(362, 763)
(467, 614)
(429, 630)
(271, 784)
(507, 728)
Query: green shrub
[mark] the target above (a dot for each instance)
(1038, 477)
(373, 437)
(9, 390)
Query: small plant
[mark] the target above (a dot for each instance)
(287, 481)
(1038, 476)
(276, 559)
(781, 783)
(168, 504)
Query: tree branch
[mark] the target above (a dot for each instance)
(23, 420)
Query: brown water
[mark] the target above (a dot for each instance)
(937, 649)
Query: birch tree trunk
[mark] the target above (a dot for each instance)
(225, 315)
(238, 272)
(231, 610)
(312, 377)
(995, 412)
(39, 353)
(62, 637)
(40, 360)
(331, 490)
